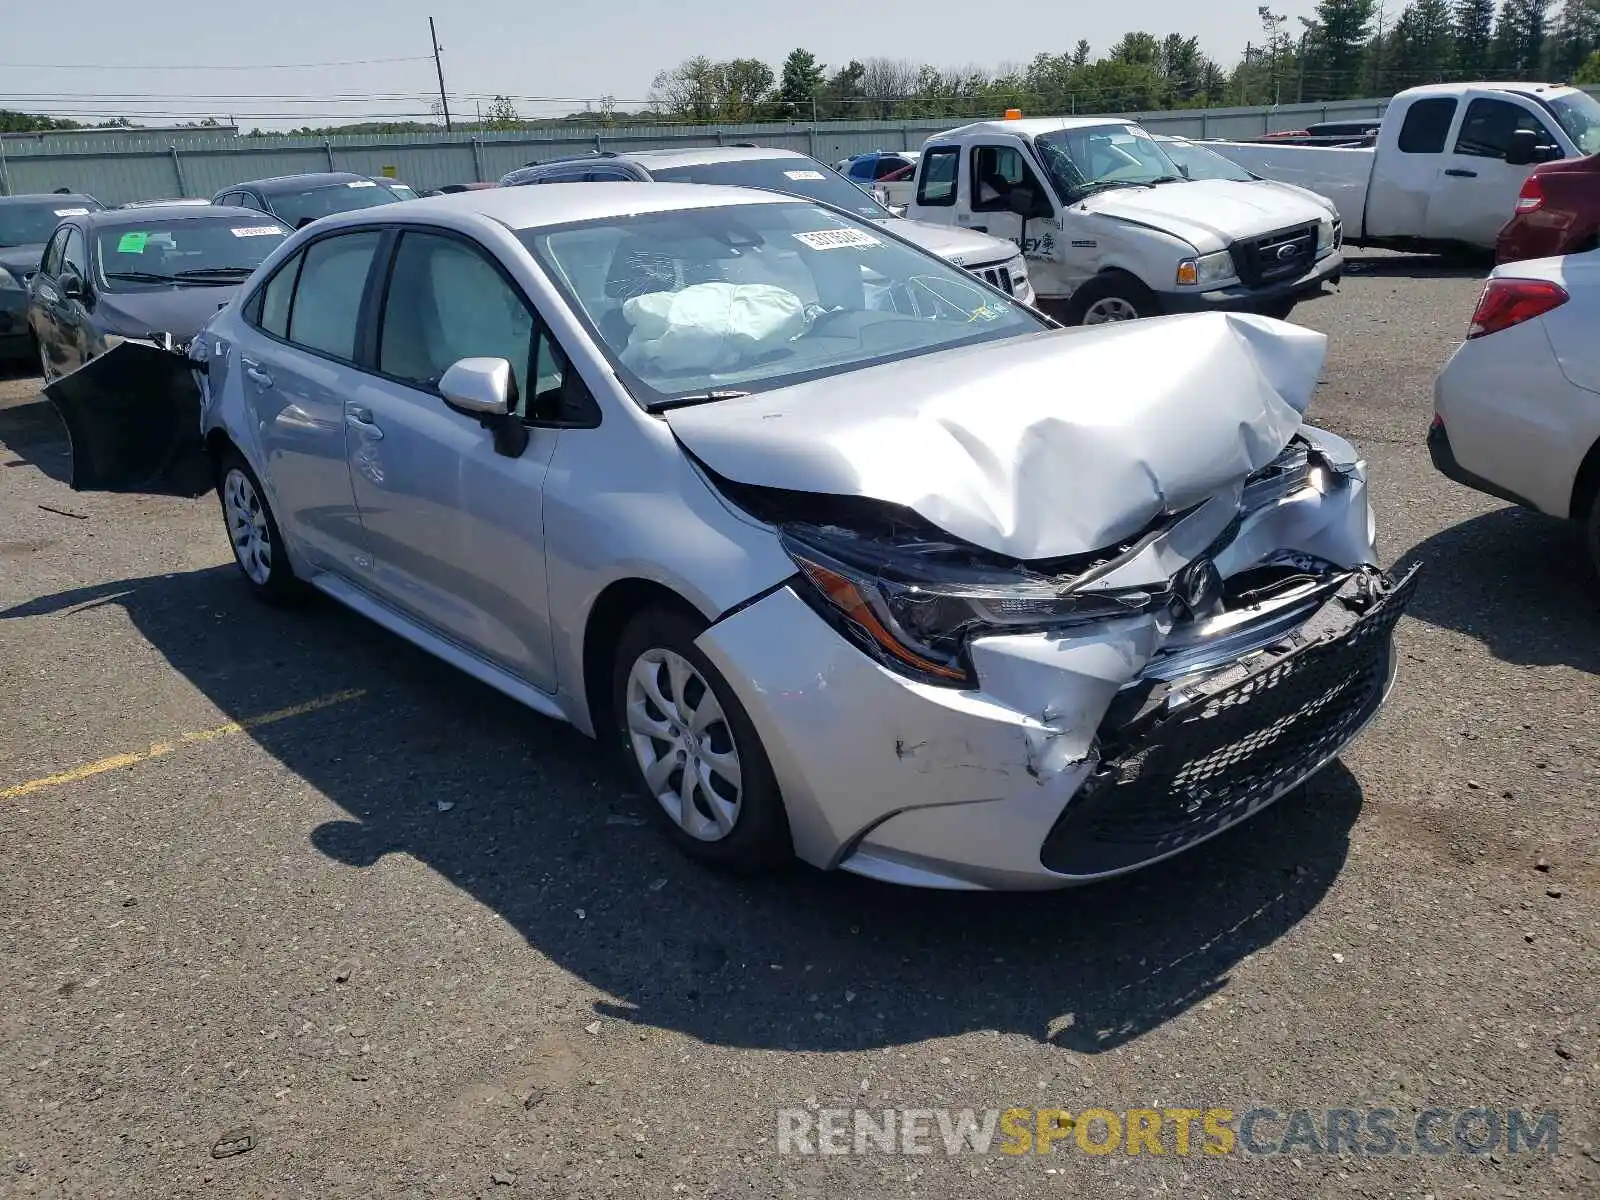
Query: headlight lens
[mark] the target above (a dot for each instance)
(1206, 271)
(914, 605)
(1325, 235)
(9, 282)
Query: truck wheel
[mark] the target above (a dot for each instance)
(1591, 540)
(1110, 298)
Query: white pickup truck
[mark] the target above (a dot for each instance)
(1449, 162)
(1113, 229)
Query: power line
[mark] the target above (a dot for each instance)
(349, 62)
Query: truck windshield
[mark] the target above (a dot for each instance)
(1096, 157)
(1579, 114)
(693, 305)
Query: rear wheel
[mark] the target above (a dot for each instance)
(1110, 299)
(692, 748)
(1591, 531)
(253, 532)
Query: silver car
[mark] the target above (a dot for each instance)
(850, 556)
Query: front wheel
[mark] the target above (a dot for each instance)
(690, 745)
(1111, 299)
(258, 547)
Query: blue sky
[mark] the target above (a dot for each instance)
(563, 51)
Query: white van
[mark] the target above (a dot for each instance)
(1113, 229)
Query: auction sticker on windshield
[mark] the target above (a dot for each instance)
(72, 212)
(132, 243)
(804, 174)
(836, 239)
(254, 230)
(361, 183)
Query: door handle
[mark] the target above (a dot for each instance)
(361, 418)
(1458, 173)
(256, 373)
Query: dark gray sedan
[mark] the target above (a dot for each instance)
(152, 275)
(26, 223)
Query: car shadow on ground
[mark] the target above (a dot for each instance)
(1420, 266)
(35, 436)
(1517, 581)
(529, 818)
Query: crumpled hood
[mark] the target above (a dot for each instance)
(1209, 214)
(964, 247)
(1041, 447)
(182, 312)
(21, 260)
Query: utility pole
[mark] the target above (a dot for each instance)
(444, 103)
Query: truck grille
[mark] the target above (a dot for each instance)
(1227, 753)
(1277, 256)
(1000, 277)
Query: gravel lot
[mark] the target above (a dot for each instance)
(415, 942)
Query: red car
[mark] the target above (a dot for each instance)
(1557, 213)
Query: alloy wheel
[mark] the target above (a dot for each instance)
(684, 745)
(1109, 310)
(247, 526)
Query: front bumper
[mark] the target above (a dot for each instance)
(14, 340)
(1012, 785)
(1259, 299)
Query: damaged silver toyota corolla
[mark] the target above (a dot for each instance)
(851, 556)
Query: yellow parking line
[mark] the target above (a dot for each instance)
(160, 748)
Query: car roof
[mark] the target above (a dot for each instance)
(170, 214)
(49, 197)
(1029, 127)
(534, 207)
(702, 155)
(289, 183)
(1461, 89)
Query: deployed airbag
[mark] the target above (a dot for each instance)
(709, 326)
(1039, 447)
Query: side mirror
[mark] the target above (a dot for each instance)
(1028, 204)
(1550, 153)
(303, 222)
(72, 287)
(1524, 148)
(487, 389)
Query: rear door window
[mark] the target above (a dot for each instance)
(1426, 126)
(936, 180)
(327, 300)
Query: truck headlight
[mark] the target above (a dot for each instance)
(1327, 236)
(1208, 270)
(9, 282)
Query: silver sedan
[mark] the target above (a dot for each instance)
(851, 557)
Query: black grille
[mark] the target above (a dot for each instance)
(1227, 754)
(1278, 256)
(1000, 277)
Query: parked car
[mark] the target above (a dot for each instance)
(1557, 213)
(1517, 407)
(847, 554)
(1449, 162)
(888, 175)
(301, 199)
(26, 223)
(181, 202)
(1111, 228)
(1200, 162)
(151, 274)
(794, 174)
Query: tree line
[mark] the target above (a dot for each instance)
(1349, 49)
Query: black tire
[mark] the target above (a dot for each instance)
(759, 838)
(1111, 287)
(277, 584)
(1591, 540)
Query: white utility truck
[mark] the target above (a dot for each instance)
(1113, 229)
(1449, 162)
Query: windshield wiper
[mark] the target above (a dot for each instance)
(202, 272)
(142, 276)
(1160, 179)
(696, 398)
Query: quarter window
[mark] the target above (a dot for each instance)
(74, 256)
(327, 300)
(1426, 126)
(936, 179)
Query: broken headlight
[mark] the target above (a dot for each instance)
(915, 604)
